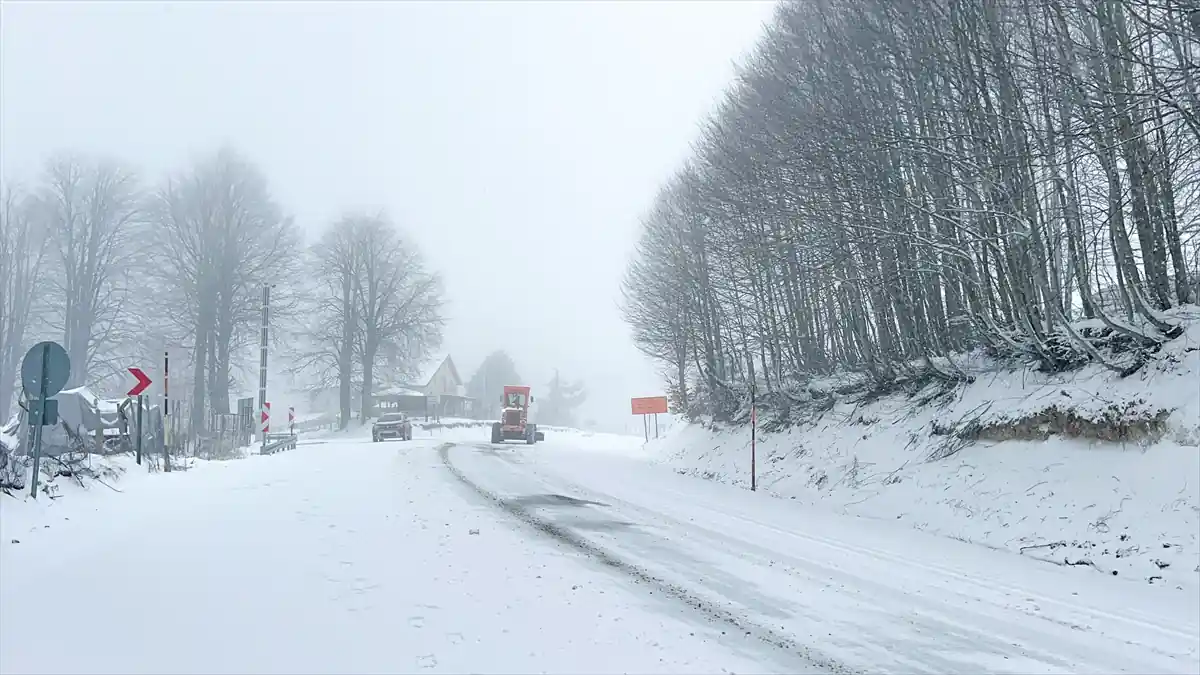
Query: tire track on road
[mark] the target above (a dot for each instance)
(638, 574)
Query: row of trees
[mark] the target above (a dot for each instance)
(375, 308)
(119, 270)
(554, 407)
(886, 183)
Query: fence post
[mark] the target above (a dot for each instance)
(99, 430)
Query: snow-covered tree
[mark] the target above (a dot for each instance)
(486, 386)
(889, 182)
(218, 237)
(557, 406)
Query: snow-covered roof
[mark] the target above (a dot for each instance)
(84, 392)
(426, 373)
(399, 391)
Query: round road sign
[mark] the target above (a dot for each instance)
(56, 366)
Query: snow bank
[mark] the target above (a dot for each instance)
(60, 497)
(1005, 461)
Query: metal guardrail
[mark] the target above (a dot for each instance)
(278, 443)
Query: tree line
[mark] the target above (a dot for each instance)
(120, 269)
(885, 185)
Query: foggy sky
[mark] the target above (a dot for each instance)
(517, 142)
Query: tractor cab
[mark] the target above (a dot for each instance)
(516, 398)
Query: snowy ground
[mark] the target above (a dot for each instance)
(843, 592)
(1130, 508)
(337, 557)
(448, 554)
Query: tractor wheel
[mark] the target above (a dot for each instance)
(531, 434)
(496, 436)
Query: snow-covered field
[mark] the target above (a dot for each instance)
(1129, 508)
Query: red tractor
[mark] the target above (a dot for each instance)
(514, 421)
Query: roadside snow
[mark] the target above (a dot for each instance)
(337, 557)
(1127, 509)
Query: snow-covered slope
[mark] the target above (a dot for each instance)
(1010, 461)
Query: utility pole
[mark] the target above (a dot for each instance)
(262, 358)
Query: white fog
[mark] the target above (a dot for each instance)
(517, 143)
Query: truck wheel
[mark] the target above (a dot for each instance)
(531, 434)
(496, 438)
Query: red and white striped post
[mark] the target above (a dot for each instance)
(291, 421)
(266, 419)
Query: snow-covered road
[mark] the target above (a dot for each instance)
(461, 557)
(860, 594)
(335, 558)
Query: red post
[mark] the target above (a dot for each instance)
(167, 435)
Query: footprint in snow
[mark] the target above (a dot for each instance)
(416, 621)
(427, 661)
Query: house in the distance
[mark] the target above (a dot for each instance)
(437, 391)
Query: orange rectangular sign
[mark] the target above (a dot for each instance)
(649, 405)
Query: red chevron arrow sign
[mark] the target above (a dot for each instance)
(142, 382)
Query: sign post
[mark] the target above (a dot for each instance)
(142, 383)
(649, 405)
(44, 372)
(291, 421)
(753, 433)
(140, 405)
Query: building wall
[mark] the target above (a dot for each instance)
(443, 381)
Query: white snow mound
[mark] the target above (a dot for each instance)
(1129, 508)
